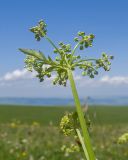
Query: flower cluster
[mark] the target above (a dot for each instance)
(104, 62)
(90, 66)
(32, 63)
(64, 48)
(39, 30)
(68, 124)
(45, 66)
(72, 148)
(61, 78)
(123, 139)
(65, 59)
(85, 41)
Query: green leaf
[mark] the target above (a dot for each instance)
(50, 60)
(42, 54)
(38, 55)
(50, 69)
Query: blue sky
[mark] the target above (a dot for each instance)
(106, 19)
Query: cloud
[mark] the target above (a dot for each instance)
(23, 74)
(23, 77)
(21, 82)
(115, 80)
(17, 75)
(83, 81)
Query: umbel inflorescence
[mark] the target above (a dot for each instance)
(65, 62)
(65, 57)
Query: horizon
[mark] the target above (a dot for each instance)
(55, 101)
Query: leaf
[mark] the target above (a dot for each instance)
(42, 55)
(49, 58)
(34, 53)
(50, 69)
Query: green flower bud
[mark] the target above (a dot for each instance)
(39, 30)
(82, 34)
(60, 82)
(81, 47)
(76, 39)
(106, 68)
(79, 33)
(111, 57)
(61, 43)
(84, 73)
(54, 82)
(96, 72)
(48, 75)
(41, 79)
(109, 63)
(72, 68)
(81, 42)
(63, 47)
(78, 57)
(86, 45)
(104, 55)
(55, 51)
(91, 76)
(92, 36)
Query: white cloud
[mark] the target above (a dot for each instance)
(23, 74)
(83, 81)
(115, 80)
(24, 77)
(17, 75)
(21, 82)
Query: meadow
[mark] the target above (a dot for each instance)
(32, 133)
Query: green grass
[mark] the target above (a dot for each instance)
(28, 114)
(26, 140)
(44, 115)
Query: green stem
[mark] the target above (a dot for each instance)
(81, 117)
(73, 51)
(76, 46)
(82, 143)
(85, 60)
(50, 41)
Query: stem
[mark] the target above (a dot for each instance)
(88, 66)
(73, 51)
(76, 46)
(84, 60)
(50, 41)
(82, 143)
(81, 117)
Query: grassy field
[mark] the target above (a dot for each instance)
(32, 133)
(44, 115)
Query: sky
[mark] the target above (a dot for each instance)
(107, 20)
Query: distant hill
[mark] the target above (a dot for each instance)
(64, 101)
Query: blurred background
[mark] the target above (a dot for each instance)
(30, 111)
